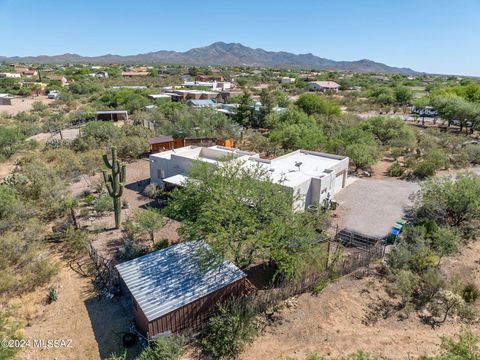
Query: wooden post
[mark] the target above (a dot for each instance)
(328, 255)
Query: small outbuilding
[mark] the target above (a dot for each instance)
(112, 115)
(179, 287)
(5, 99)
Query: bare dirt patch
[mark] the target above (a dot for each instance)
(94, 324)
(23, 104)
(354, 314)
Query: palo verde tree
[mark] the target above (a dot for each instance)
(115, 182)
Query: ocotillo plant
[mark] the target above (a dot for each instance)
(114, 182)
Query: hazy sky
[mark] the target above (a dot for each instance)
(438, 36)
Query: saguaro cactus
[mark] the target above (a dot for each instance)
(115, 182)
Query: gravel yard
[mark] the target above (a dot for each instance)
(371, 206)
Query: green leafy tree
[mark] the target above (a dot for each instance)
(148, 221)
(244, 216)
(314, 104)
(243, 115)
(448, 201)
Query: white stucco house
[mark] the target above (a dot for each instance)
(323, 86)
(312, 177)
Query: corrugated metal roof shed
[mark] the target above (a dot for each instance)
(168, 279)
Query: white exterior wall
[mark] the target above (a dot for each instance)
(310, 191)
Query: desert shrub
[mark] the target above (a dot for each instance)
(313, 356)
(164, 348)
(130, 249)
(460, 160)
(52, 295)
(104, 203)
(84, 212)
(76, 240)
(395, 170)
(473, 152)
(446, 303)
(162, 244)
(424, 169)
(89, 199)
(55, 143)
(153, 191)
(319, 286)
(114, 356)
(423, 259)
(431, 283)
(470, 293)
(465, 348)
(404, 284)
(228, 332)
(411, 257)
(9, 329)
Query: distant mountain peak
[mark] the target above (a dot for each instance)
(221, 53)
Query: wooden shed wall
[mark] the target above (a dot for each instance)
(167, 145)
(193, 315)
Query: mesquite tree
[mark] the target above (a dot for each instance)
(115, 182)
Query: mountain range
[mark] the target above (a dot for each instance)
(221, 53)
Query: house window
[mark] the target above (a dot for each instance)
(160, 173)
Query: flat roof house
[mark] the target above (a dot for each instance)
(177, 288)
(312, 177)
(324, 86)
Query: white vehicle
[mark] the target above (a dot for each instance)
(52, 94)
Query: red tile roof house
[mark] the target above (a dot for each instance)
(323, 86)
(24, 71)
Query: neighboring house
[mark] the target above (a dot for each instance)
(213, 85)
(134, 73)
(5, 99)
(209, 78)
(133, 87)
(287, 80)
(228, 94)
(313, 177)
(323, 86)
(160, 96)
(10, 75)
(178, 288)
(184, 95)
(149, 107)
(26, 72)
(168, 142)
(185, 78)
(62, 80)
(112, 115)
(200, 103)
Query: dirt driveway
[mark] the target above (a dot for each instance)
(371, 206)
